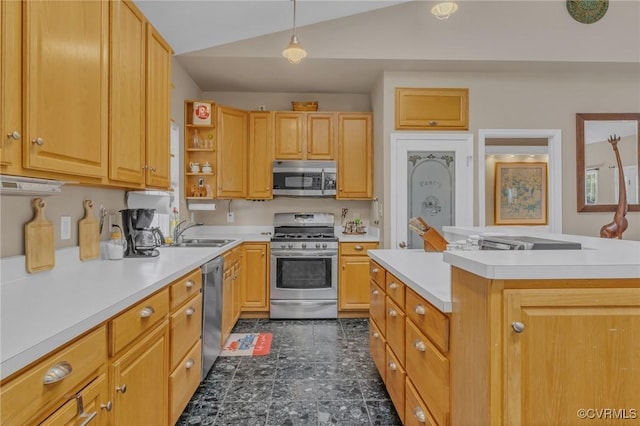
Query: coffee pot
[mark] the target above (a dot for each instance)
(140, 237)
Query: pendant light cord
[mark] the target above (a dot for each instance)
(294, 17)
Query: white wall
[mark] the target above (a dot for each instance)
(530, 101)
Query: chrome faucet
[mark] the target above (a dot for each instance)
(178, 231)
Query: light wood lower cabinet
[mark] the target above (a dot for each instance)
(138, 380)
(415, 371)
(89, 406)
(184, 381)
(231, 291)
(353, 280)
(255, 280)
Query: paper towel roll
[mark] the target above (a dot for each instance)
(195, 205)
(158, 200)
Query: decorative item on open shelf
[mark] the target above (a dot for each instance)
(305, 106)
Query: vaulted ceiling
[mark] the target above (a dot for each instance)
(237, 45)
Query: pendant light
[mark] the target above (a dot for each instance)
(294, 52)
(444, 10)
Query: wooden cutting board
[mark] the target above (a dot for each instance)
(38, 240)
(89, 233)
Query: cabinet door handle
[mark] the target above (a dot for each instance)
(358, 248)
(38, 141)
(121, 389)
(375, 335)
(420, 346)
(147, 311)
(108, 406)
(433, 123)
(189, 364)
(15, 135)
(392, 366)
(57, 372)
(393, 313)
(393, 286)
(517, 326)
(420, 310)
(375, 292)
(190, 311)
(418, 413)
(375, 270)
(189, 284)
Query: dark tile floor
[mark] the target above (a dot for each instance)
(319, 372)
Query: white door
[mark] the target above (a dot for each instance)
(431, 177)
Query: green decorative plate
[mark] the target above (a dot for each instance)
(587, 11)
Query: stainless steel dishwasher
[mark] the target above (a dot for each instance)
(212, 275)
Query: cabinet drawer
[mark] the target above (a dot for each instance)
(185, 288)
(395, 289)
(356, 249)
(377, 346)
(92, 396)
(377, 273)
(184, 381)
(429, 372)
(376, 306)
(126, 327)
(186, 328)
(395, 382)
(415, 412)
(28, 394)
(433, 323)
(395, 329)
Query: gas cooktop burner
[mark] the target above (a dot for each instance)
(303, 235)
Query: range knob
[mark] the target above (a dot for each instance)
(324, 245)
(283, 246)
(290, 246)
(304, 245)
(317, 245)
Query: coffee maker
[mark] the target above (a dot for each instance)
(142, 240)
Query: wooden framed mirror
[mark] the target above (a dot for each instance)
(596, 167)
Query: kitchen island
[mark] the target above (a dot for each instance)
(534, 337)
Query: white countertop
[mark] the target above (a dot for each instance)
(425, 273)
(599, 258)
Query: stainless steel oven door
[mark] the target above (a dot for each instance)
(304, 276)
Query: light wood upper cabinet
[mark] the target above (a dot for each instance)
(232, 152)
(158, 169)
(10, 87)
(255, 283)
(65, 87)
(304, 136)
(432, 109)
(565, 333)
(355, 156)
(260, 155)
(127, 156)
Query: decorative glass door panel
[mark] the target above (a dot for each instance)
(431, 190)
(431, 177)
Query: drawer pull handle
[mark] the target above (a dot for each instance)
(392, 366)
(88, 417)
(375, 292)
(420, 310)
(375, 270)
(122, 389)
(419, 415)
(57, 372)
(393, 286)
(189, 284)
(420, 346)
(375, 335)
(147, 311)
(358, 248)
(393, 313)
(189, 364)
(108, 406)
(517, 326)
(190, 311)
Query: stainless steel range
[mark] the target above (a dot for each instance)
(304, 266)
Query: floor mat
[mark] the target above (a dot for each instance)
(247, 344)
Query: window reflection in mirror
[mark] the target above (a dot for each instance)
(597, 173)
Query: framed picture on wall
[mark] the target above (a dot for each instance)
(521, 194)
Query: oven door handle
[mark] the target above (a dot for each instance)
(303, 254)
(322, 182)
(303, 302)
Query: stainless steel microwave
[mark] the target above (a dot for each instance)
(305, 178)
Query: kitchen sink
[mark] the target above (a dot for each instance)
(203, 242)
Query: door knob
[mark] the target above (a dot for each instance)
(402, 244)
